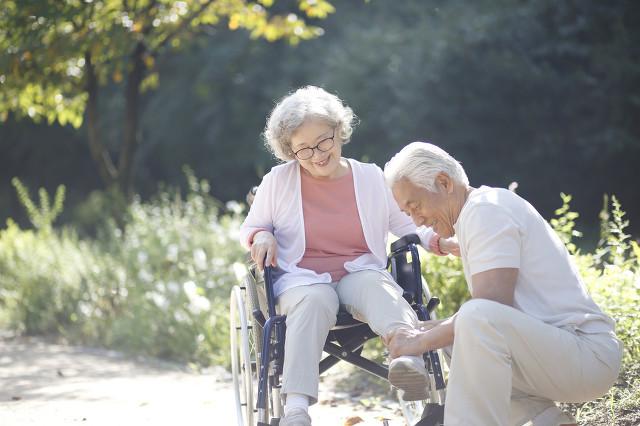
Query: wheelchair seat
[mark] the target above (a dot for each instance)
(345, 320)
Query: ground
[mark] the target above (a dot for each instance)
(44, 383)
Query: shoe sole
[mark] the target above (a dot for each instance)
(413, 383)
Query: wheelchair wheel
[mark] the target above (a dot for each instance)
(427, 412)
(242, 360)
(411, 410)
(255, 300)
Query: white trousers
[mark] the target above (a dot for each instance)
(311, 312)
(508, 368)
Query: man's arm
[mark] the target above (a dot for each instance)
(404, 341)
(495, 284)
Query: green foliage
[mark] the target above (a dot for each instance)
(564, 224)
(43, 216)
(614, 246)
(445, 278)
(158, 285)
(46, 45)
(612, 275)
(178, 254)
(43, 279)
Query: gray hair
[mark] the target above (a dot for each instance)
(293, 110)
(420, 163)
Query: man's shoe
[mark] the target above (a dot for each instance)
(296, 417)
(409, 374)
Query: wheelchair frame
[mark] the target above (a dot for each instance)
(344, 342)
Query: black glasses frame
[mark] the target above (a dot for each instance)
(312, 149)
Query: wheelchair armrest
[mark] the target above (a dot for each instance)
(405, 241)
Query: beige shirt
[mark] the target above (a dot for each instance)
(498, 229)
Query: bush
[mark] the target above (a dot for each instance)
(155, 280)
(157, 285)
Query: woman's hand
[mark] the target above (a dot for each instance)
(264, 249)
(449, 246)
(428, 325)
(404, 341)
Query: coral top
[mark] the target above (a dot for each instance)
(332, 227)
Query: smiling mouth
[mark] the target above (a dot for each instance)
(323, 162)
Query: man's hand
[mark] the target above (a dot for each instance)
(449, 246)
(264, 249)
(404, 341)
(427, 336)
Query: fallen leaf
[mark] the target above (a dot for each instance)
(353, 420)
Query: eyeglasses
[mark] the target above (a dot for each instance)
(323, 146)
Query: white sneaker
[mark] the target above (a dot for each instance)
(409, 374)
(296, 417)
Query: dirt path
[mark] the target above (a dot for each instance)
(49, 384)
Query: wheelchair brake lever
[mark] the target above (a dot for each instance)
(432, 304)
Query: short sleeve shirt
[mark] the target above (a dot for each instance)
(498, 229)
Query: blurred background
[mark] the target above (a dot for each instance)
(130, 133)
(540, 92)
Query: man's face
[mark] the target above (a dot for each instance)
(425, 207)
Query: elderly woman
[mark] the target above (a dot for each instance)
(531, 334)
(323, 221)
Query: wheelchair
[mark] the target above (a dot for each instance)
(257, 335)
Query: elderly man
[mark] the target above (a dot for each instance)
(531, 334)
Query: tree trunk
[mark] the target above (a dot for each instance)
(132, 100)
(99, 153)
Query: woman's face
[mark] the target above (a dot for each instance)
(327, 149)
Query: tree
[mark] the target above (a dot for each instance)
(57, 55)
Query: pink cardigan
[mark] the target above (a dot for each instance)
(277, 208)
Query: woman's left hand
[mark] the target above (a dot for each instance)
(449, 246)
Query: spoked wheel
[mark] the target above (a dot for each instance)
(257, 300)
(411, 410)
(242, 358)
(422, 413)
(429, 412)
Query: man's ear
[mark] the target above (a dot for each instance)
(445, 182)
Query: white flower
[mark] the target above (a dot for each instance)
(159, 300)
(172, 253)
(240, 270)
(234, 206)
(173, 287)
(180, 316)
(145, 276)
(197, 304)
(85, 308)
(191, 289)
(200, 259)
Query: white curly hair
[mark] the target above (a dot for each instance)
(420, 163)
(293, 110)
